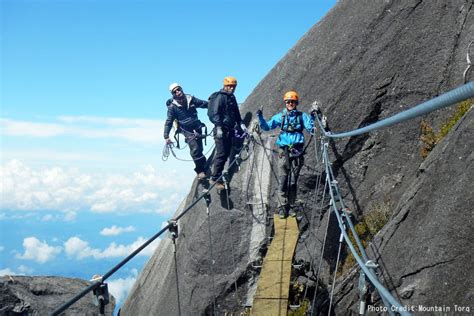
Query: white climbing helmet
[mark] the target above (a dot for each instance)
(173, 86)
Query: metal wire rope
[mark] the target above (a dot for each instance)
(363, 265)
(449, 98)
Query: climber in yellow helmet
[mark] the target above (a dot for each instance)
(223, 111)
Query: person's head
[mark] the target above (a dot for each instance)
(176, 90)
(291, 99)
(230, 83)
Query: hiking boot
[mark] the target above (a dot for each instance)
(292, 213)
(282, 212)
(201, 176)
(219, 185)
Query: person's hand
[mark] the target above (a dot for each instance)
(243, 128)
(168, 141)
(259, 113)
(324, 122)
(315, 108)
(219, 132)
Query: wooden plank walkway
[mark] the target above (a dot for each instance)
(273, 286)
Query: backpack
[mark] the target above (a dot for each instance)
(211, 109)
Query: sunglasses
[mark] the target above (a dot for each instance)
(176, 90)
(291, 102)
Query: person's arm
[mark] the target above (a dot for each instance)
(273, 123)
(168, 123)
(237, 116)
(198, 103)
(308, 122)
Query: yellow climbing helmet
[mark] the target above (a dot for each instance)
(230, 81)
(291, 95)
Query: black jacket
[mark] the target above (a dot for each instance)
(186, 115)
(223, 110)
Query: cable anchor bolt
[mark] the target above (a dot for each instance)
(371, 264)
(207, 197)
(173, 229)
(238, 161)
(101, 294)
(225, 174)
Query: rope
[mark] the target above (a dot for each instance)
(384, 293)
(271, 162)
(341, 239)
(311, 220)
(211, 255)
(173, 231)
(449, 98)
(168, 148)
(321, 253)
(231, 236)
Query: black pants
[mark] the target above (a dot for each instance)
(288, 173)
(224, 147)
(195, 149)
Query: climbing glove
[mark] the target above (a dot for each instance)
(259, 113)
(219, 132)
(315, 108)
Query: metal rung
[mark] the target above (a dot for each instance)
(255, 203)
(346, 210)
(371, 264)
(297, 266)
(294, 307)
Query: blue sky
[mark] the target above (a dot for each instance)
(83, 91)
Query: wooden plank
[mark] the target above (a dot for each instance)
(269, 307)
(273, 286)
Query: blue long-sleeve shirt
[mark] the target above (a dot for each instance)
(288, 138)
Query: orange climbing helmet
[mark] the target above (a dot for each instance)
(291, 95)
(230, 81)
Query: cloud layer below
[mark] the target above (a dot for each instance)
(134, 130)
(69, 190)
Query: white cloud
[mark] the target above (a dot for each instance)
(80, 249)
(37, 250)
(70, 216)
(25, 270)
(22, 270)
(24, 128)
(7, 271)
(48, 218)
(69, 190)
(134, 130)
(119, 288)
(115, 230)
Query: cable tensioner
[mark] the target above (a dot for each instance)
(207, 197)
(173, 229)
(101, 293)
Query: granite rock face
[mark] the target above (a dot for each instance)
(364, 61)
(41, 295)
